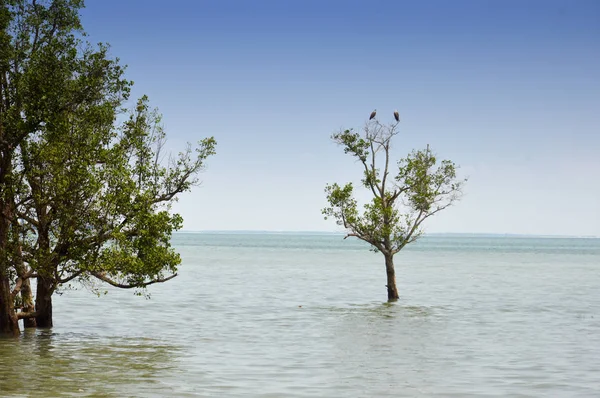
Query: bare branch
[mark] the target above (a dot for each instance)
(386, 146)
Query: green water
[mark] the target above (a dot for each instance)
(281, 315)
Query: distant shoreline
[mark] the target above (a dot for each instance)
(433, 234)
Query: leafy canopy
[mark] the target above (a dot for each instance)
(403, 196)
(82, 195)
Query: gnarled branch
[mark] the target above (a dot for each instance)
(102, 276)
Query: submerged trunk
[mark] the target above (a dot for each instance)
(43, 302)
(28, 304)
(391, 278)
(25, 291)
(9, 323)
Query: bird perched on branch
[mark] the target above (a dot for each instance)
(373, 114)
(396, 116)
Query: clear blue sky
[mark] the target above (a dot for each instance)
(510, 90)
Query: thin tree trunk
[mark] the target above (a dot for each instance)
(9, 323)
(43, 303)
(391, 278)
(26, 293)
(28, 304)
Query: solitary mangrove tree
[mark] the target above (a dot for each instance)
(403, 195)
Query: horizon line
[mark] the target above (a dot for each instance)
(308, 232)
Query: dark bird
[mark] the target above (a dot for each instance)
(373, 114)
(396, 116)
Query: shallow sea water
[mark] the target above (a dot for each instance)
(287, 315)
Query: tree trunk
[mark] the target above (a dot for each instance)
(28, 304)
(43, 302)
(25, 291)
(9, 323)
(391, 278)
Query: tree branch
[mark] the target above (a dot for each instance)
(365, 239)
(69, 278)
(27, 315)
(406, 240)
(102, 276)
(17, 288)
(374, 174)
(27, 218)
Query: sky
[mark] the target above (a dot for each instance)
(509, 90)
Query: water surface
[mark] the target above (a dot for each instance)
(272, 315)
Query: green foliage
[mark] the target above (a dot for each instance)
(421, 187)
(353, 144)
(107, 198)
(82, 197)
